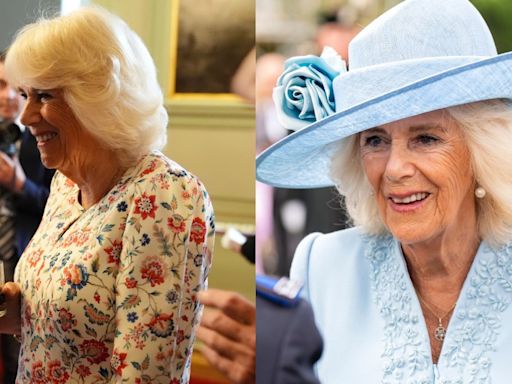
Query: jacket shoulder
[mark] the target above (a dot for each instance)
(318, 253)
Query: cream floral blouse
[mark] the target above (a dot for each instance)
(109, 294)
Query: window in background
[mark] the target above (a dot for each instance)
(67, 6)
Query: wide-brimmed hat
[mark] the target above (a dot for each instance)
(420, 56)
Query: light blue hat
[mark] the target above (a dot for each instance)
(420, 56)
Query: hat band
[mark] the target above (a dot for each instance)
(360, 85)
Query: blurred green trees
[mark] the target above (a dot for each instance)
(498, 15)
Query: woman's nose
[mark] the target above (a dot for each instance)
(399, 165)
(30, 114)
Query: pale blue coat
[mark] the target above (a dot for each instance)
(369, 315)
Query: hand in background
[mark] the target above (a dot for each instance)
(12, 176)
(228, 331)
(10, 322)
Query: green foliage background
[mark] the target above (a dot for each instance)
(498, 15)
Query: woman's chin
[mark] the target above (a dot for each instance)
(48, 161)
(410, 234)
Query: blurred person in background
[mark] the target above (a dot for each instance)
(268, 130)
(416, 135)
(288, 343)
(228, 325)
(336, 29)
(269, 67)
(280, 353)
(106, 291)
(243, 82)
(228, 334)
(298, 212)
(24, 189)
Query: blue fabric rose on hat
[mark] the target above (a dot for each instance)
(304, 92)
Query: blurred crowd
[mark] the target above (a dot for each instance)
(285, 216)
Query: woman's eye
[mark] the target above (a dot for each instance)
(44, 96)
(23, 95)
(372, 141)
(426, 139)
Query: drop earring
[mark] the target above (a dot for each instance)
(480, 192)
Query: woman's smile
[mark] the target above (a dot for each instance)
(408, 202)
(44, 138)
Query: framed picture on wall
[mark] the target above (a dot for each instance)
(209, 40)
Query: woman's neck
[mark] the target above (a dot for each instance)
(439, 267)
(96, 177)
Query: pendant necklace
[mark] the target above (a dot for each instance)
(440, 331)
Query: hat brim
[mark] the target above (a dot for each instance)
(302, 159)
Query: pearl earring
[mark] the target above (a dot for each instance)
(480, 192)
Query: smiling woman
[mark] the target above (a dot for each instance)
(108, 284)
(421, 176)
(417, 139)
(479, 129)
(61, 140)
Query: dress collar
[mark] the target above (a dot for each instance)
(473, 328)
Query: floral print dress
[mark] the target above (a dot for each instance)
(109, 294)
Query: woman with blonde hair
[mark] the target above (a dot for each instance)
(108, 285)
(416, 135)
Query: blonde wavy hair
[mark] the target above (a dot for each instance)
(487, 126)
(107, 76)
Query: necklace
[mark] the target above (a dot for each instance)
(440, 331)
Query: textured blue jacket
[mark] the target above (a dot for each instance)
(370, 318)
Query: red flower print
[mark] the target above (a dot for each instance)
(161, 325)
(175, 381)
(130, 282)
(38, 375)
(81, 237)
(66, 319)
(176, 223)
(69, 183)
(162, 180)
(95, 351)
(180, 337)
(114, 252)
(56, 373)
(83, 371)
(77, 238)
(154, 270)
(139, 330)
(27, 316)
(34, 257)
(198, 231)
(145, 206)
(117, 362)
(97, 297)
(149, 169)
(185, 195)
(140, 344)
(160, 356)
